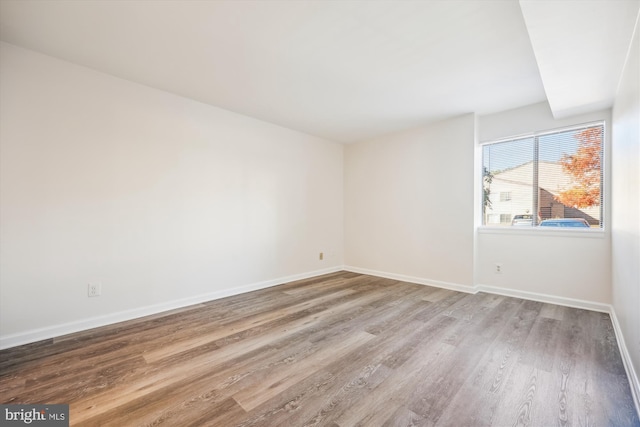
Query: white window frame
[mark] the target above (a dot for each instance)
(582, 232)
(507, 196)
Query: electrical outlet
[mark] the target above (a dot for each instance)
(498, 269)
(321, 257)
(94, 289)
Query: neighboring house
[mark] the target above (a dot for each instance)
(512, 194)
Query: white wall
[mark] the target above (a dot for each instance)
(162, 199)
(167, 201)
(409, 204)
(625, 233)
(409, 213)
(563, 265)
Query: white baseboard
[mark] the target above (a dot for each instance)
(533, 296)
(54, 331)
(550, 299)
(412, 279)
(634, 382)
(94, 322)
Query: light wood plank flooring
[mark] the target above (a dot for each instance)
(342, 349)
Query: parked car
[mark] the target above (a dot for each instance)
(522, 220)
(565, 222)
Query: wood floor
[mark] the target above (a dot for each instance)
(338, 350)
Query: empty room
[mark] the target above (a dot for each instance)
(320, 213)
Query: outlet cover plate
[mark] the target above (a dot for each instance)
(94, 289)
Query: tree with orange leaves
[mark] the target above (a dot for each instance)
(584, 167)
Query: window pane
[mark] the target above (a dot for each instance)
(505, 196)
(569, 177)
(508, 182)
(547, 180)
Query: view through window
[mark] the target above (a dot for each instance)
(551, 179)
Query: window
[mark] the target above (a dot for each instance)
(557, 175)
(505, 218)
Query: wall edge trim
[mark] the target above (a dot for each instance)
(412, 279)
(632, 376)
(56, 331)
(634, 381)
(546, 298)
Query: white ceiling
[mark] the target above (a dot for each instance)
(343, 70)
(581, 48)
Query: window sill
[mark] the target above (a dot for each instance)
(596, 233)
